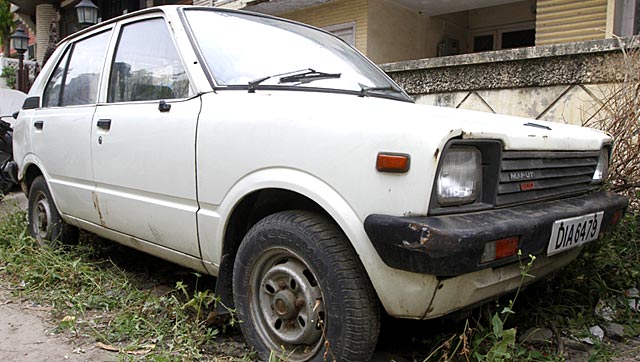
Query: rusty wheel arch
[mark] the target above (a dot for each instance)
(30, 174)
(251, 209)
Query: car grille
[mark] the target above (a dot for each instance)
(532, 176)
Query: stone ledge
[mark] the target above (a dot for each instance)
(544, 51)
(590, 62)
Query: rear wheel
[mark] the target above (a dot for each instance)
(302, 293)
(45, 222)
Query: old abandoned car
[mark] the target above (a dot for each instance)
(276, 157)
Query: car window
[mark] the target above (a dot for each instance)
(147, 65)
(75, 81)
(51, 96)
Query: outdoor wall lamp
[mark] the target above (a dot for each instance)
(87, 13)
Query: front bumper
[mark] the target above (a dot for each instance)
(452, 245)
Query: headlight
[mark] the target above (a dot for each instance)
(602, 169)
(460, 176)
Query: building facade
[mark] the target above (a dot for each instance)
(399, 30)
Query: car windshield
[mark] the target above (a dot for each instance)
(255, 51)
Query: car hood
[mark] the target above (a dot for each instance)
(393, 122)
(516, 133)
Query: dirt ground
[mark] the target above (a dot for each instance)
(25, 331)
(27, 334)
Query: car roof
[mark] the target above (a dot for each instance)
(165, 9)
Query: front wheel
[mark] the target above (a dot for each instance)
(302, 293)
(45, 222)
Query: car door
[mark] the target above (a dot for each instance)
(60, 128)
(143, 140)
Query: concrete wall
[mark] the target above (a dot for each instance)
(566, 83)
(335, 13)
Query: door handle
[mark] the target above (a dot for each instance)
(104, 124)
(38, 124)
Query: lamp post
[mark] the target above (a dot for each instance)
(20, 42)
(87, 13)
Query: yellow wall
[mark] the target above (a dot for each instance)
(502, 15)
(396, 33)
(560, 21)
(334, 13)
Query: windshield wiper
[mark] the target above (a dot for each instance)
(365, 91)
(304, 76)
(308, 76)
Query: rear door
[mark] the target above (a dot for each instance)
(143, 140)
(61, 128)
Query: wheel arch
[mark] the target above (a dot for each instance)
(272, 191)
(29, 173)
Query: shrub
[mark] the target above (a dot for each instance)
(9, 74)
(619, 116)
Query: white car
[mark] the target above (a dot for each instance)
(276, 157)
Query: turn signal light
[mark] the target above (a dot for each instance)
(499, 249)
(392, 162)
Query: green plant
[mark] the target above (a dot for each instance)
(488, 338)
(91, 295)
(9, 74)
(7, 25)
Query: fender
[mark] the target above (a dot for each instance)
(398, 290)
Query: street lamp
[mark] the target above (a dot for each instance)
(20, 42)
(87, 13)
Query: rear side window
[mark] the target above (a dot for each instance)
(76, 78)
(147, 65)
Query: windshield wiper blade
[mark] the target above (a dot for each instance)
(308, 76)
(303, 76)
(365, 91)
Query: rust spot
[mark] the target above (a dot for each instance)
(425, 233)
(435, 155)
(96, 205)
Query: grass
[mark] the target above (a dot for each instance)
(142, 307)
(95, 291)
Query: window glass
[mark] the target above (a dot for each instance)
(518, 39)
(242, 48)
(483, 43)
(147, 65)
(51, 96)
(83, 73)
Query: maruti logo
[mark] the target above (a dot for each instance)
(522, 175)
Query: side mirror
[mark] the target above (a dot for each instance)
(31, 103)
(15, 114)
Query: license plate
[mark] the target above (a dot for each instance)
(571, 232)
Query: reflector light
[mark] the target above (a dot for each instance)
(507, 247)
(392, 162)
(615, 219)
(499, 249)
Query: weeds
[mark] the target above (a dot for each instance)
(91, 296)
(618, 114)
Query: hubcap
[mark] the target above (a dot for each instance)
(288, 307)
(41, 218)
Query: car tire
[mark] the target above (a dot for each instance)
(302, 293)
(45, 223)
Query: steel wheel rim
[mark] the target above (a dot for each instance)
(286, 304)
(41, 217)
